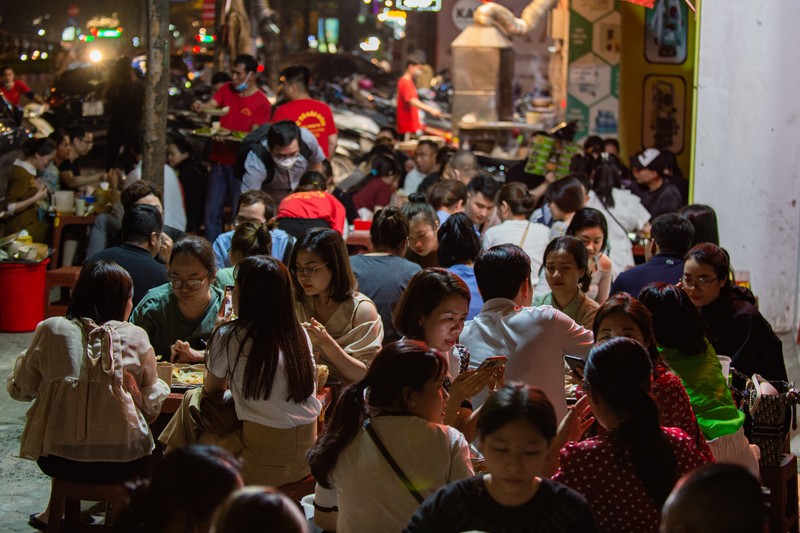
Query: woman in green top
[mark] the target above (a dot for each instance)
(180, 315)
(566, 268)
(248, 240)
(680, 332)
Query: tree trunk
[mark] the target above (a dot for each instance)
(155, 95)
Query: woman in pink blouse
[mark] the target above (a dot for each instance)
(627, 472)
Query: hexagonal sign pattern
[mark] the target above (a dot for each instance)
(589, 79)
(607, 38)
(592, 10)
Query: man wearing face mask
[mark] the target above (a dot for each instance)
(289, 151)
(249, 108)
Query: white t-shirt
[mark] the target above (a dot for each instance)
(631, 214)
(370, 495)
(535, 339)
(174, 210)
(277, 411)
(512, 232)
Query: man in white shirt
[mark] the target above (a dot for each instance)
(535, 339)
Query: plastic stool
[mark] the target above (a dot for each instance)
(65, 277)
(66, 498)
(782, 484)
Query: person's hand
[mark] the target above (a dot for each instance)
(165, 250)
(437, 113)
(498, 379)
(469, 383)
(576, 422)
(41, 191)
(550, 176)
(316, 332)
(198, 108)
(181, 352)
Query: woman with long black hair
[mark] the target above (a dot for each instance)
(627, 472)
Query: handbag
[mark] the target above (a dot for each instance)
(632, 235)
(389, 459)
(770, 417)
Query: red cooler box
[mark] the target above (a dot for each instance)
(21, 295)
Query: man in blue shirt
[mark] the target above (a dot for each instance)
(671, 238)
(257, 207)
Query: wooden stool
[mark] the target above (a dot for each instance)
(298, 489)
(66, 498)
(782, 484)
(65, 277)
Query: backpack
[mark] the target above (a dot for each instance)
(252, 143)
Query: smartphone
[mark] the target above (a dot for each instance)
(576, 365)
(494, 362)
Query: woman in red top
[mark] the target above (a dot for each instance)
(624, 316)
(627, 472)
(375, 191)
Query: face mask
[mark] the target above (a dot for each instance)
(243, 86)
(287, 162)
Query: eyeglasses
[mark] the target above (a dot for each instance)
(699, 283)
(307, 272)
(191, 284)
(238, 221)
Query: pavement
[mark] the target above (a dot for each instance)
(25, 490)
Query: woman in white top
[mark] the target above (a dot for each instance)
(589, 225)
(623, 210)
(395, 412)
(264, 357)
(92, 377)
(514, 207)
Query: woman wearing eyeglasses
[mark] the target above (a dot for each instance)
(344, 325)
(179, 316)
(738, 329)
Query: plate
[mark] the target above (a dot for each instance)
(217, 112)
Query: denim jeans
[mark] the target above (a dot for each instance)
(222, 184)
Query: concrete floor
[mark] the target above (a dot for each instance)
(25, 490)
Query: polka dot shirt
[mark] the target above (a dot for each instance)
(604, 475)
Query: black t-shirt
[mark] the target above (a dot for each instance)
(665, 199)
(145, 271)
(466, 506)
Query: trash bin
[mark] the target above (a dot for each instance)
(21, 295)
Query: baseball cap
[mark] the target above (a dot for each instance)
(651, 159)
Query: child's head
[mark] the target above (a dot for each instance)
(250, 508)
(422, 225)
(515, 428)
(566, 264)
(433, 308)
(590, 226)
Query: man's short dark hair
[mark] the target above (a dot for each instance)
(256, 196)
(673, 233)
(500, 271)
(715, 497)
(282, 133)
(296, 74)
(75, 132)
(247, 61)
(484, 184)
(138, 190)
(567, 193)
(220, 77)
(140, 222)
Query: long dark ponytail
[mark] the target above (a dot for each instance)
(618, 371)
(399, 365)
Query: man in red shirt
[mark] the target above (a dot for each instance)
(306, 112)
(408, 102)
(13, 89)
(248, 109)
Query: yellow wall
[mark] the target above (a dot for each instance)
(634, 69)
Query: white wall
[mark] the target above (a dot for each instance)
(747, 163)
